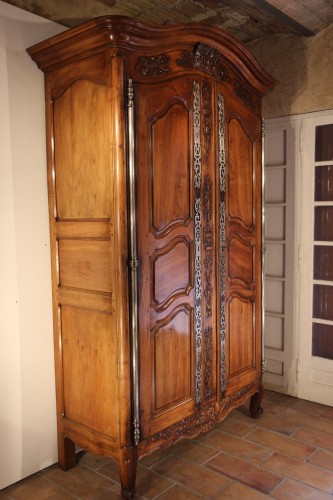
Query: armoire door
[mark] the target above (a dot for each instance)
(175, 145)
(243, 242)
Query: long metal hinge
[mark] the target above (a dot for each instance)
(133, 263)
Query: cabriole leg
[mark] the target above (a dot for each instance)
(127, 472)
(255, 409)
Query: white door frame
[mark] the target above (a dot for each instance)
(315, 374)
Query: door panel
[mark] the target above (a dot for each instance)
(240, 176)
(242, 333)
(166, 250)
(170, 166)
(172, 354)
(176, 244)
(243, 241)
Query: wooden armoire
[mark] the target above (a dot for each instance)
(154, 145)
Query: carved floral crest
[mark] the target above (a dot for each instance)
(205, 58)
(153, 65)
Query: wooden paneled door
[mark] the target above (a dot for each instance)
(199, 232)
(243, 242)
(177, 248)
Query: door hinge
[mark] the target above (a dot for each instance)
(297, 369)
(300, 256)
(263, 366)
(301, 139)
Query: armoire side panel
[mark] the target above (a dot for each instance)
(80, 183)
(85, 264)
(88, 354)
(82, 157)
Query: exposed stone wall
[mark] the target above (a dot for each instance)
(304, 68)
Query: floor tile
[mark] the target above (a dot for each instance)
(274, 403)
(111, 494)
(314, 436)
(149, 484)
(300, 471)
(246, 473)
(79, 481)
(322, 458)
(238, 491)
(178, 492)
(236, 427)
(192, 475)
(194, 451)
(282, 424)
(306, 419)
(110, 471)
(273, 407)
(324, 424)
(283, 444)
(328, 413)
(38, 487)
(307, 406)
(156, 457)
(93, 462)
(287, 453)
(291, 490)
(236, 446)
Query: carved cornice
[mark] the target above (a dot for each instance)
(125, 35)
(246, 96)
(206, 59)
(153, 65)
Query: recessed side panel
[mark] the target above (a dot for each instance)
(89, 364)
(172, 360)
(241, 172)
(81, 154)
(241, 337)
(85, 264)
(170, 168)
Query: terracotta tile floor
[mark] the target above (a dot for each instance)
(287, 454)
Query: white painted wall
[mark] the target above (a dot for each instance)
(27, 394)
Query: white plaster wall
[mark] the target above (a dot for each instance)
(27, 393)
